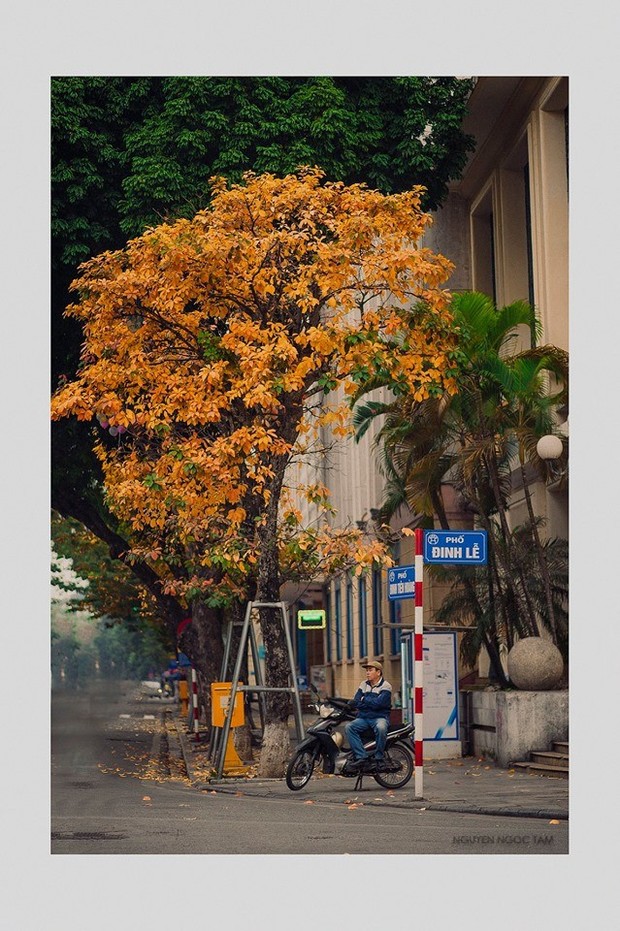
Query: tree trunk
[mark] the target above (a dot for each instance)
(540, 553)
(276, 745)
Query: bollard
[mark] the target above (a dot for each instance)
(184, 697)
(195, 704)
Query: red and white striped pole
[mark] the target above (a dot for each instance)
(195, 703)
(418, 665)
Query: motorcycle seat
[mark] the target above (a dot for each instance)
(400, 729)
(395, 730)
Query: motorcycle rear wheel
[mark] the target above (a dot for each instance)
(300, 769)
(402, 758)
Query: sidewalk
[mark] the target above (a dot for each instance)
(467, 785)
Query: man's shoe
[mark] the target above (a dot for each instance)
(386, 766)
(356, 765)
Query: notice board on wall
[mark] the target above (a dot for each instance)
(440, 692)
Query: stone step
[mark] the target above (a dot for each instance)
(549, 758)
(540, 769)
(560, 746)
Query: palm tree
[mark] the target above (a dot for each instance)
(470, 440)
(471, 602)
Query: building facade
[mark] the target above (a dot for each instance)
(504, 226)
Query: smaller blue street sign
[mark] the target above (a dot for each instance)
(401, 582)
(467, 547)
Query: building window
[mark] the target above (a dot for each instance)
(349, 618)
(566, 138)
(528, 237)
(377, 599)
(395, 608)
(361, 607)
(493, 261)
(338, 624)
(328, 626)
(483, 246)
(395, 615)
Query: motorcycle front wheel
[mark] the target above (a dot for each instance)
(300, 769)
(398, 756)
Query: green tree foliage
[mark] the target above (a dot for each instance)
(129, 151)
(132, 638)
(116, 652)
(112, 589)
(125, 653)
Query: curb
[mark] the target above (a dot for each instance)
(187, 761)
(420, 804)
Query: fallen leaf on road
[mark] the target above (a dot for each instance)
(146, 798)
(212, 792)
(237, 794)
(554, 821)
(377, 799)
(421, 809)
(309, 802)
(355, 805)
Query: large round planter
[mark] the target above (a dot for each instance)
(535, 664)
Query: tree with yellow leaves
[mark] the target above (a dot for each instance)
(211, 348)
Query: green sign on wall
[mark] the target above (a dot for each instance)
(311, 620)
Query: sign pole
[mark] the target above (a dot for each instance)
(418, 666)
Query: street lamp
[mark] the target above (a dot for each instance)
(550, 448)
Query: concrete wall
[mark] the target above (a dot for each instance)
(442, 750)
(523, 721)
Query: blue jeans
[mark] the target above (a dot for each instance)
(354, 730)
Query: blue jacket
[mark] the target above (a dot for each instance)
(373, 702)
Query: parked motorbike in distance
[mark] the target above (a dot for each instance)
(324, 745)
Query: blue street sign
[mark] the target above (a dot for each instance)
(467, 547)
(401, 582)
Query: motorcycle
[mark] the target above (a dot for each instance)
(324, 744)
